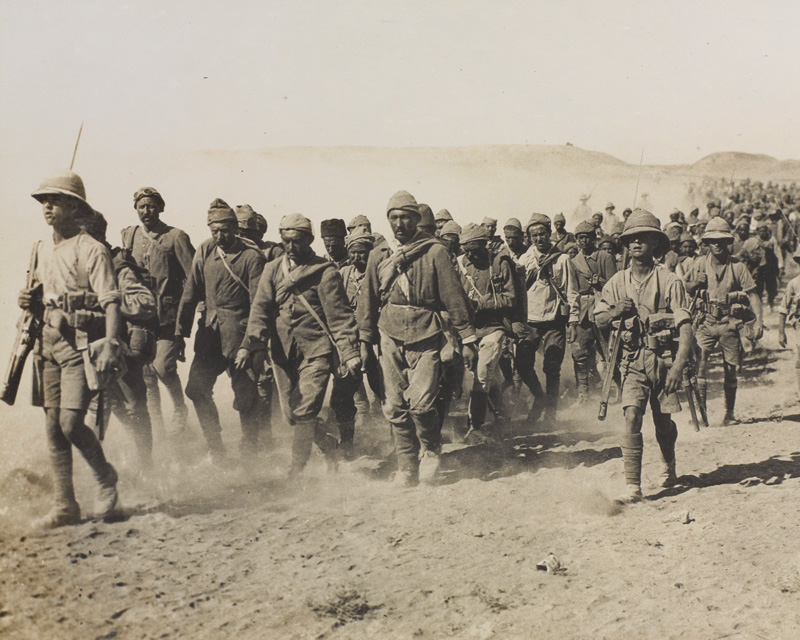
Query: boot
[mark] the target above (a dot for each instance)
(329, 446)
(668, 477)
(65, 510)
(107, 496)
(346, 436)
(730, 403)
(429, 462)
(404, 479)
(301, 445)
(632, 449)
(702, 392)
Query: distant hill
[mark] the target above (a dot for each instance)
(743, 165)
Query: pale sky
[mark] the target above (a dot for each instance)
(681, 79)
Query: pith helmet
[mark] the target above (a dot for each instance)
(718, 229)
(65, 183)
(641, 221)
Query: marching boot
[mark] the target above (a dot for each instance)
(666, 442)
(301, 445)
(730, 403)
(65, 510)
(429, 462)
(87, 443)
(478, 401)
(328, 445)
(346, 435)
(632, 449)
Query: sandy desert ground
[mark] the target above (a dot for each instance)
(205, 553)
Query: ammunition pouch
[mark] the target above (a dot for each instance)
(661, 334)
(631, 333)
(77, 312)
(717, 309)
(740, 306)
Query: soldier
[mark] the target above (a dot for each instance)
(583, 211)
(572, 249)
(333, 233)
(165, 253)
(253, 226)
(139, 327)
(611, 218)
(597, 223)
(561, 238)
(441, 218)
(450, 234)
(426, 222)
(593, 269)
(626, 213)
(671, 258)
(496, 244)
(301, 311)
(724, 312)
(765, 259)
(344, 400)
(401, 308)
(488, 280)
(741, 234)
(515, 238)
(362, 222)
(645, 298)
(789, 312)
(552, 304)
(75, 286)
(688, 255)
(224, 275)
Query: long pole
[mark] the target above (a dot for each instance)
(636, 193)
(75, 151)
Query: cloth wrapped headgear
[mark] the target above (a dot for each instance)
(474, 232)
(220, 211)
(296, 222)
(489, 222)
(359, 221)
(147, 192)
(585, 227)
(426, 216)
(246, 217)
(359, 236)
(442, 214)
(513, 227)
(450, 227)
(403, 201)
(538, 218)
(559, 217)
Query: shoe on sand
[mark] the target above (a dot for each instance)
(668, 477)
(429, 467)
(61, 515)
(404, 479)
(107, 495)
(633, 493)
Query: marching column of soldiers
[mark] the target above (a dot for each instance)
(400, 323)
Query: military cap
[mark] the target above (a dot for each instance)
(674, 233)
(402, 201)
(296, 222)
(611, 206)
(261, 223)
(585, 227)
(610, 240)
(147, 192)
(718, 229)
(571, 246)
(559, 217)
(442, 214)
(488, 222)
(474, 232)
(357, 236)
(513, 226)
(220, 211)
(688, 237)
(246, 217)
(742, 220)
(359, 221)
(450, 227)
(65, 183)
(426, 216)
(334, 227)
(642, 221)
(538, 218)
(617, 229)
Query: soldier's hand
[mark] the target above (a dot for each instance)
(702, 279)
(674, 379)
(758, 330)
(180, 343)
(470, 356)
(547, 259)
(782, 338)
(572, 332)
(625, 306)
(366, 352)
(242, 359)
(258, 361)
(25, 299)
(353, 366)
(109, 356)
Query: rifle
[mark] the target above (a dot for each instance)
(611, 367)
(29, 328)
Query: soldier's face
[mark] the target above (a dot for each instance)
(359, 253)
(403, 224)
(452, 242)
(335, 247)
(440, 224)
(296, 244)
(559, 226)
(764, 233)
(59, 210)
(491, 228)
(148, 209)
(597, 219)
(572, 251)
(540, 237)
(643, 245)
(687, 248)
(475, 250)
(717, 247)
(610, 248)
(585, 242)
(224, 233)
(514, 241)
